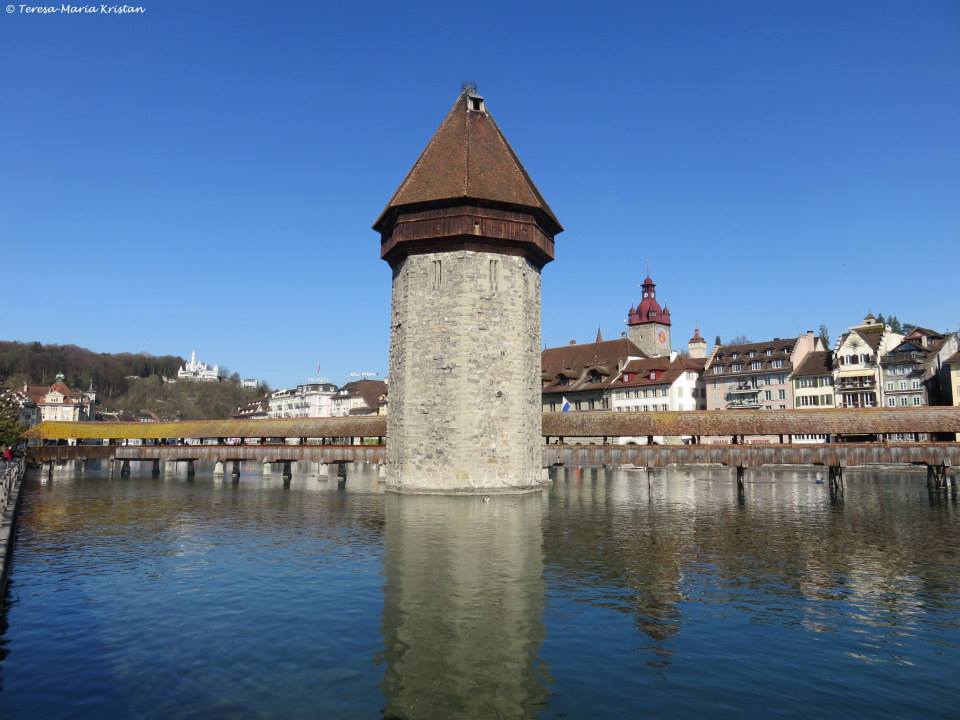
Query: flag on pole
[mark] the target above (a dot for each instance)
(318, 369)
(565, 406)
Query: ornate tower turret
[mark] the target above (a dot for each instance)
(648, 325)
(466, 235)
(697, 346)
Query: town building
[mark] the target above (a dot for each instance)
(914, 373)
(196, 370)
(648, 325)
(658, 384)
(60, 402)
(362, 397)
(856, 363)
(580, 374)
(466, 236)
(253, 410)
(756, 375)
(813, 381)
(953, 382)
(249, 383)
(304, 401)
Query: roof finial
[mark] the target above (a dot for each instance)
(599, 334)
(469, 87)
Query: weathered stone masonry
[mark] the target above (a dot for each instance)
(465, 373)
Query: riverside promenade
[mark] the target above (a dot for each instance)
(11, 478)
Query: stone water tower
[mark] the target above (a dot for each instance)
(466, 235)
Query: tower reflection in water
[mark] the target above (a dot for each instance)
(463, 607)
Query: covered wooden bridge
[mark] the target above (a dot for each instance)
(736, 438)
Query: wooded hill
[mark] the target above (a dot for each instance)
(128, 382)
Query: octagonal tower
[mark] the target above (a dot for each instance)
(466, 235)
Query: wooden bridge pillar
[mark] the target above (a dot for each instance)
(741, 474)
(936, 477)
(191, 470)
(155, 470)
(125, 468)
(50, 470)
(287, 472)
(835, 478)
(235, 470)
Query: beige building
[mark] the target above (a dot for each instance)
(756, 375)
(60, 402)
(856, 363)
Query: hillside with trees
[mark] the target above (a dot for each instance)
(126, 382)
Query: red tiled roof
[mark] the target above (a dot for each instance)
(575, 362)
(468, 157)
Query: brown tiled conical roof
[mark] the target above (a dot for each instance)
(468, 158)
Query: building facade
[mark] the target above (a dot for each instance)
(466, 235)
(59, 402)
(756, 375)
(196, 370)
(856, 362)
(304, 401)
(581, 374)
(813, 381)
(913, 372)
(363, 397)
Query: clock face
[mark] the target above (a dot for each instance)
(662, 336)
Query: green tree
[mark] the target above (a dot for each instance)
(825, 337)
(10, 427)
(895, 325)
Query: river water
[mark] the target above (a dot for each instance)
(601, 598)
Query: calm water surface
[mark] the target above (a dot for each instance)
(602, 598)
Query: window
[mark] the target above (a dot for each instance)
(916, 384)
(735, 355)
(756, 365)
(494, 275)
(903, 401)
(767, 395)
(778, 363)
(664, 392)
(783, 395)
(737, 367)
(903, 385)
(437, 275)
(751, 353)
(889, 386)
(768, 352)
(917, 400)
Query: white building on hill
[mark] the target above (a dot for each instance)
(196, 370)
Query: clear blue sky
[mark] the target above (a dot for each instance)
(205, 175)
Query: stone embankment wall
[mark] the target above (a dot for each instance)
(464, 404)
(11, 478)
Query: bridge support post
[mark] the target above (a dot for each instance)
(341, 475)
(741, 473)
(835, 476)
(235, 470)
(191, 470)
(50, 470)
(155, 470)
(287, 472)
(936, 477)
(125, 468)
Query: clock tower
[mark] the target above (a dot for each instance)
(648, 325)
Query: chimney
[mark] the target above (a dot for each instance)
(573, 342)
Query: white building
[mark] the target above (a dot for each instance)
(249, 383)
(196, 370)
(657, 384)
(856, 366)
(305, 401)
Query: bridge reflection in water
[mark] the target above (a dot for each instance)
(463, 606)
